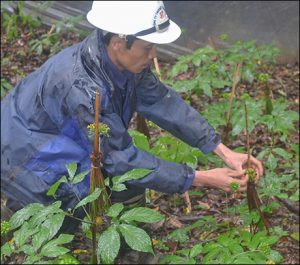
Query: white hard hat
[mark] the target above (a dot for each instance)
(146, 20)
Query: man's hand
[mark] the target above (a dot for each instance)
(238, 161)
(221, 178)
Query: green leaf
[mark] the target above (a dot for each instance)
(275, 256)
(279, 151)
(53, 188)
(136, 238)
(119, 187)
(71, 167)
(115, 210)
(108, 246)
(256, 240)
(33, 259)
(24, 214)
(80, 177)
(51, 249)
(245, 259)
(173, 259)
(6, 250)
(196, 250)
(44, 213)
(295, 236)
(140, 140)
(54, 251)
(92, 197)
(235, 248)
(205, 86)
(54, 223)
(23, 234)
(271, 162)
(39, 238)
(142, 214)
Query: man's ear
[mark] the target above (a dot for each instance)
(116, 43)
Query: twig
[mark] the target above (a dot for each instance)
(157, 67)
(289, 205)
(51, 30)
(247, 135)
(234, 83)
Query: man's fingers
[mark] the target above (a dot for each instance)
(241, 181)
(258, 165)
(236, 173)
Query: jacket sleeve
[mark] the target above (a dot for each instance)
(166, 108)
(121, 155)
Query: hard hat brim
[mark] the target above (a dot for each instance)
(167, 36)
(171, 34)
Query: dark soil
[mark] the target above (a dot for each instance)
(17, 61)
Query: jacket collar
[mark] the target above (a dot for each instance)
(98, 65)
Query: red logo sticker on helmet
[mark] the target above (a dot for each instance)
(160, 17)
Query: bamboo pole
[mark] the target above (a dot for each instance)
(97, 181)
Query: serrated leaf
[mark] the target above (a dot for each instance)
(80, 177)
(51, 249)
(24, 214)
(23, 234)
(54, 251)
(136, 238)
(119, 187)
(243, 260)
(206, 89)
(53, 188)
(54, 223)
(92, 197)
(108, 246)
(115, 210)
(142, 214)
(39, 238)
(196, 250)
(32, 259)
(283, 153)
(71, 167)
(276, 256)
(256, 240)
(6, 250)
(271, 162)
(45, 212)
(140, 140)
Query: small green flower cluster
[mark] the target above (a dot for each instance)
(103, 129)
(251, 174)
(5, 227)
(234, 186)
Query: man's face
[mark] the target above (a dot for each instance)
(135, 59)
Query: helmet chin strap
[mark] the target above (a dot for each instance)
(157, 28)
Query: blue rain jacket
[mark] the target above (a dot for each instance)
(44, 126)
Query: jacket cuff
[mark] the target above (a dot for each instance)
(211, 145)
(189, 180)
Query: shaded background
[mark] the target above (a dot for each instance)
(267, 22)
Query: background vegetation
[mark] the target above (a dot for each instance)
(216, 82)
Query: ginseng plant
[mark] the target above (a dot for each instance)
(99, 206)
(253, 199)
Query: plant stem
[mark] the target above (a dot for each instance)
(234, 83)
(228, 127)
(247, 135)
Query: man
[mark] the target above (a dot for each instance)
(45, 118)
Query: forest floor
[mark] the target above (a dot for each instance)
(19, 61)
